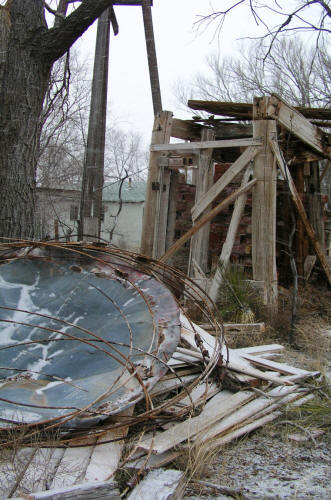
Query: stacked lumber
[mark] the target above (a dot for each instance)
(240, 390)
(263, 388)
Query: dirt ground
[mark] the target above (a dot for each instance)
(269, 464)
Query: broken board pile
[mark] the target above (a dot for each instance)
(245, 390)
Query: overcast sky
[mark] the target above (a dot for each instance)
(181, 51)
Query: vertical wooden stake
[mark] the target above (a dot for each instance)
(160, 135)
(264, 213)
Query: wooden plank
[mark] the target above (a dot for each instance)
(222, 404)
(205, 219)
(275, 108)
(243, 413)
(245, 429)
(237, 327)
(260, 349)
(13, 466)
(253, 372)
(301, 210)
(245, 109)
(192, 147)
(74, 463)
(235, 362)
(161, 133)
(153, 461)
(247, 156)
(186, 130)
(273, 365)
(257, 419)
(93, 491)
(106, 457)
(243, 328)
(308, 266)
(224, 258)
(198, 396)
(200, 240)
(160, 484)
(42, 469)
(164, 386)
(315, 204)
(264, 197)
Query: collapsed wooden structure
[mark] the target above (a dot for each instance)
(280, 135)
(253, 392)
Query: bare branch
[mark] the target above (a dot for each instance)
(301, 12)
(56, 41)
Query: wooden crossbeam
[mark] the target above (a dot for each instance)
(223, 181)
(187, 130)
(273, 107)
(193, 146)
(301, 210)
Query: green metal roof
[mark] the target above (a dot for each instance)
(134, 192)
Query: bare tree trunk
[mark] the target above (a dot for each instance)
(23, 82)
(27, 51)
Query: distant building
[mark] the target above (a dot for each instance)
(58, 210)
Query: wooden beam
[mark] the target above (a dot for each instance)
(160, 484)
(200, 241)
(315, 211)
(106, 455)
(200, 223)
(161, 133)
(186, 130)
(226, 178)
(223, 404)
(224, 258)
(89, 491)
(301, 210)
(193, 146)
(151, 56)
(239, 328)
(244, 110)
(264, 214)
(274, 108)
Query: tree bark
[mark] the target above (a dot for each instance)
(27, 51)
(23, 86)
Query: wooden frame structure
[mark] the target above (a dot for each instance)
(257, 152)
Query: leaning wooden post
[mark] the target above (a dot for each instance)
(160, 135)
(224, 258)
(264, 208)
(204, 181)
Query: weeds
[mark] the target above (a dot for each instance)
(237, 299)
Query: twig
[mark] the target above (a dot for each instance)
(233, 492)
(301, 428)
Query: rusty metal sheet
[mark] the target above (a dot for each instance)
(80, 339)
